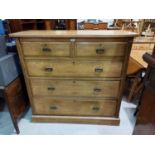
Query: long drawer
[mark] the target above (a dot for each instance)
(49, 106)
(100, 49)
(62, 68)
(83, 88)
(58, 49)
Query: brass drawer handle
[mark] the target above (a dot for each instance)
(48, 69)
(51, 88)
(46, 49)
(53, 107)
(95, 108)
(98, 70)
(97, 90)
(100, 50)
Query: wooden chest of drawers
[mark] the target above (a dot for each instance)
(75, 76)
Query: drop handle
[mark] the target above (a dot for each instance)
(97, 90)
(46, 49)
(51, 88)
(48, 69)
(95, 108)
(100, 50)
(98, 70)
(53, 107)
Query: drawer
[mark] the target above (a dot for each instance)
(74, 88)
(57, 49)
(51, 68)
(99, 49)
(50, 106)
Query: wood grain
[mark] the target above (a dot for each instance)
(107, 68)
(100, 49)
(72, 87)
(16, 99)
(81, 80)
(22, 61)
(46, 49)
(77, 119)
(76, 107)
(74, 33)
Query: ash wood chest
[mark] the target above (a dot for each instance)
(75, 76)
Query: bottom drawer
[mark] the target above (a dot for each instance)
(50, 106)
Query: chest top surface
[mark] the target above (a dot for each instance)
(73, 33)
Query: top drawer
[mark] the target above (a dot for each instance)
(57, 49)
(100, 49)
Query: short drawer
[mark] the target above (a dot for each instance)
(51, 68)
(99, 49)
(49, 106)
(73, 87)
(57, 49)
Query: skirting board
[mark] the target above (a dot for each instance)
(77, 119)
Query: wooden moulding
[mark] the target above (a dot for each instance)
(77, 119)
(84, 39)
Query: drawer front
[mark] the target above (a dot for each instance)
(98, 49)
(49, 106)
(50, 68)
(57, 49)
(75, 88)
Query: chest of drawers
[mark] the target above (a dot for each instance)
(74, 76)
